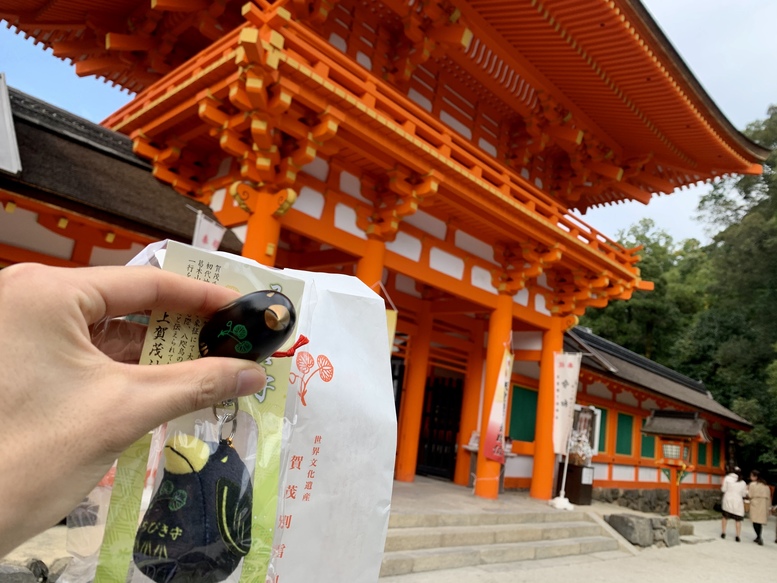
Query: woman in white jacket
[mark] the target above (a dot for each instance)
(734, 490)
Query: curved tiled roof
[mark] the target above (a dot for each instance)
(620, 364)
(71, 162)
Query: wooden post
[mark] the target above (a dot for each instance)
(370, 266)
(470, 405)
(674, 492)
(413, 399)
(263, 232)
(499, 327)
(544, 458)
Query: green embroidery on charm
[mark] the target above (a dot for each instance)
(238, 333)
(177, 500)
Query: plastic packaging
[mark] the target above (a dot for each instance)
(196, 499)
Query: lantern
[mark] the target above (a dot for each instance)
(676, 431)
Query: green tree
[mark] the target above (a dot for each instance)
(650, 322)
(733, 198)
(730, 346)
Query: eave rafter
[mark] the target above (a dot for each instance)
(270, 111)
(129, 44)
(575, 290)
(134, 45)
(396, 194)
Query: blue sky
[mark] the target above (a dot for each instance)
(730, 47)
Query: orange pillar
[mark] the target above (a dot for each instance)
(499, 327)
(470, 403)
(674, 492)
(544, 458)
(413, 397)
(263, 232)
(370, 266)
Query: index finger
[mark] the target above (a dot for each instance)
(116, 291)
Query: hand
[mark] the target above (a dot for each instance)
(66, 409)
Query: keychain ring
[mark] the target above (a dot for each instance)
(223, 421)
(225, 405)
(226, 417)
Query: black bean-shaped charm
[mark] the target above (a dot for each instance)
(252, 327)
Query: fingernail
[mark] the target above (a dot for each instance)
(250, 381)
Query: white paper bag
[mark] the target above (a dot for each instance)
(336, 483)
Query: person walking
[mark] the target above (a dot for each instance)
(759, 494)
(774, 507)
(734, 491)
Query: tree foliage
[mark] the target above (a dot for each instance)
(713, 314)
(649, 322)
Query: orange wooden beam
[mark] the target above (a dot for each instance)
(180, 5)
(10, 255)
(99, 65)
(115, 41)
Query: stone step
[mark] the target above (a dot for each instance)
(403, 539)
(473, 519)
(431, 559)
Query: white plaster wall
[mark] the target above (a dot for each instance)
(338, 42)
(345, 219)
(351, 185)
(474, 246)
(428, 224)
(419, 99)
(522, 297)
(310, 202)
(240, 232)
(540, 305)
(702, 478)
(406, 246)
(601, 472)
(217, 200)
(318, 168)
(103, 256)
(520, 466)
(527, 340)
(527, 368)
(21, 229)
(481, 279)
(407, 285)
(487, 146)
(623, 473)
(455, 124)
(364, 60)
(647, 474)
(626, 398)
(599, 390)
(446, 263)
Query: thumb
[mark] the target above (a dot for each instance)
(172, 390)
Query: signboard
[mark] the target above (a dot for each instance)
(566, 374)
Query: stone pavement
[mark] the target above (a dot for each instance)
(705, 558)
(710, 560)
(713, 561)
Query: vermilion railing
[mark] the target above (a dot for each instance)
(175, 98)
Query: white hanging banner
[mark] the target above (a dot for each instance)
(494, 443)
(207, 233)
(567, 373)
(9, 149)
